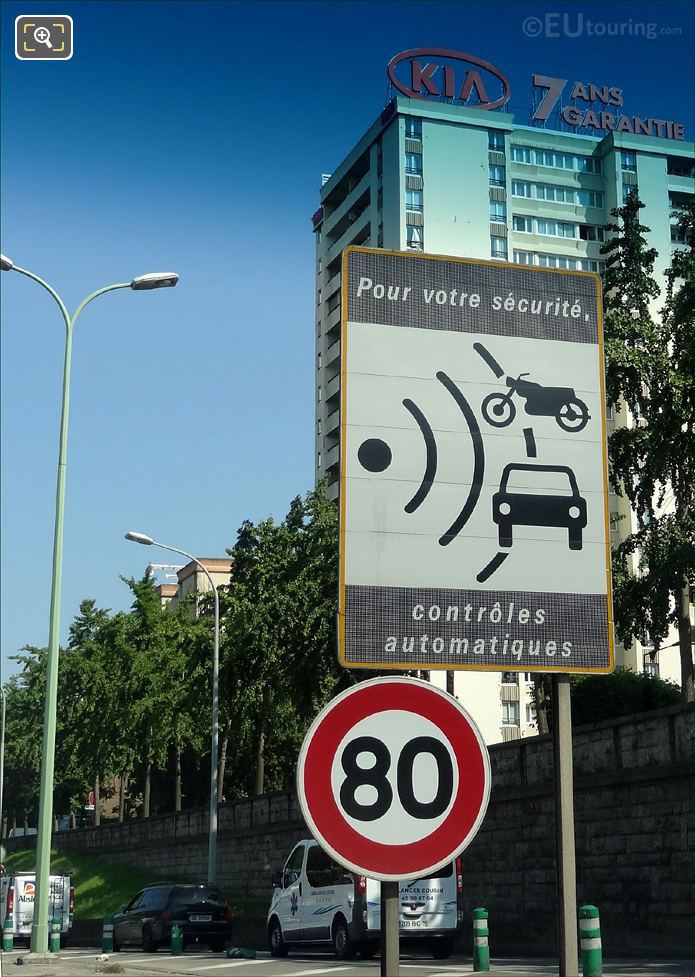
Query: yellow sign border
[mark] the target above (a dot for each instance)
(508, 667)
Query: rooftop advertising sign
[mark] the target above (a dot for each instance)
(463, 79)
(474, 520)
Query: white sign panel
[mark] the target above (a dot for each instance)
(474, 520)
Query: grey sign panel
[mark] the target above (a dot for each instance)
(474, 521)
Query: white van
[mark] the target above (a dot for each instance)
(17, 903)
(316, 901)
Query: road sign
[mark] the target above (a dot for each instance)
(474, 519)
(393, 778)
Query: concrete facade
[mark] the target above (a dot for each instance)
(634, 823)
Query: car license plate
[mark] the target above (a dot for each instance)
(200, 918)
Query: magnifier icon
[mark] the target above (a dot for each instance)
(43, 36)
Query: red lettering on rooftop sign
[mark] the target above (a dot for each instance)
(440, 73)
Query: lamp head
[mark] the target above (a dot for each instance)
(140, 538)
(156, 279)
(5, 263)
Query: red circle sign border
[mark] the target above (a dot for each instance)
(327, 823)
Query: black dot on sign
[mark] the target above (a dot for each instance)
(374, 455)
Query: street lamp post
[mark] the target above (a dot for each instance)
(212, 834)
(39, 930)
(2, 759)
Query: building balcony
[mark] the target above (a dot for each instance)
(333, 387)
(333, 353)
(510, 733)
(332, 319)
(509, 692)
(333, 423)
(332, 456)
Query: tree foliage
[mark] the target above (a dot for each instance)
(650, 373)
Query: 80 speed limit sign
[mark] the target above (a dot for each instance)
(393, 778)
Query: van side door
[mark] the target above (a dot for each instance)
(329, 890)
(289, 907)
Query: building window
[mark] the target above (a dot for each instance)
(588, 232)
(628, 161)
(510, 678)
(679, 235)
(523, 257)
(413, 163)
(498, 246)
(318, 460)
(495, 141)
(627, 190)
(498, 211)
(531, 714)
(498, 175)
(414, 239)
(413, 128)
(510, 713)
(566, 161)
(413, 200)
(528, 677)
(523, 224)
(614, 520)
(319, 395)
(651, 666)
(318, 427)
(553, 228)
(520, 188)
(521, 154)
(609, 412)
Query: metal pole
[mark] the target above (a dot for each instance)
(39, 930)
(2, 759)
(564, 827)
(214, 748)
(390, 956)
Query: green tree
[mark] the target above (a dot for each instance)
(279, 646)
(650, 371)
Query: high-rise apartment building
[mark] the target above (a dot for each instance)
(448, 179)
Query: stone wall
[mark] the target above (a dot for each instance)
(634, 824)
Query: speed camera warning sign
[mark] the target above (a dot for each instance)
(474, 525)
(393, 778)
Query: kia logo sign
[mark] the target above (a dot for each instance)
(439, 73)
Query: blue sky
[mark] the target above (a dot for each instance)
(192, 136)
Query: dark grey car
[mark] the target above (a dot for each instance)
(201, 911)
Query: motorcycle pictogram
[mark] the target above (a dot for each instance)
(562, 403)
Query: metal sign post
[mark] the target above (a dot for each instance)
(390, 952)
(564, 827)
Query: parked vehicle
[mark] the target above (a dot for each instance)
(21, 832)
(317, 901)
(17, 903)
(200, 910)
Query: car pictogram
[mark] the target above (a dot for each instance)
(527, 505)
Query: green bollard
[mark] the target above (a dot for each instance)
(590, 941)
(481, 948)
(7, 935)
(176, 940)
(107, 935)
(55, 935)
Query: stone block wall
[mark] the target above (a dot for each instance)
(634, 784)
